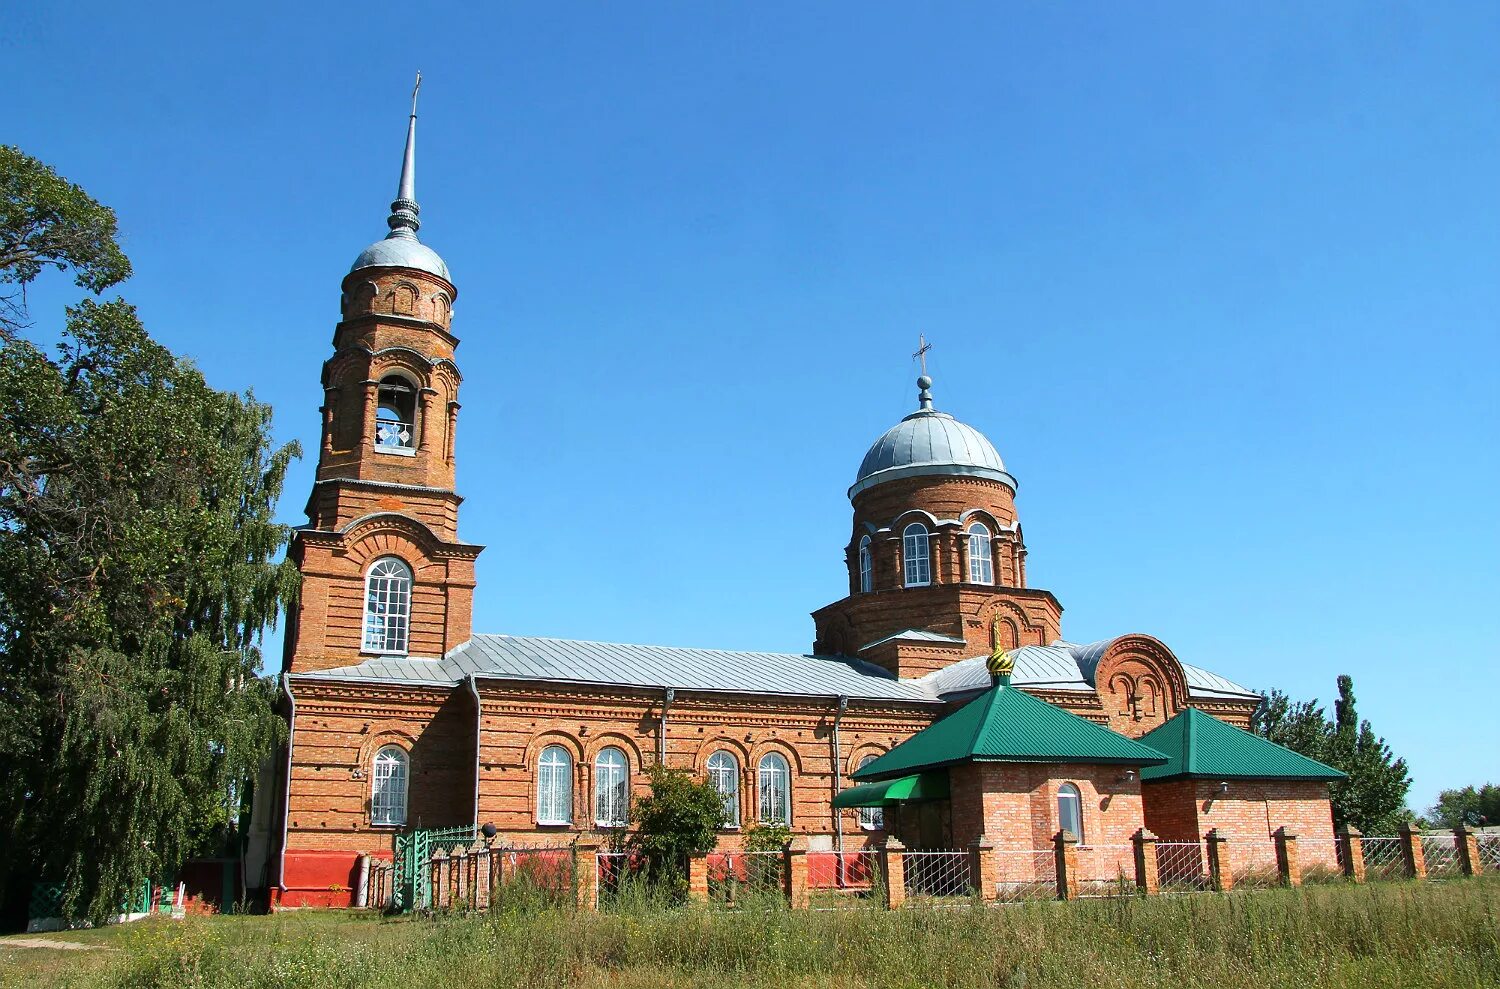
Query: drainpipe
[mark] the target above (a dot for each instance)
(838, 762)
(661, 735)
(286, 796)
(478, 731)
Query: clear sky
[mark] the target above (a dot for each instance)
(1221, 285)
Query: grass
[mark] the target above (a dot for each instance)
(1387, 935)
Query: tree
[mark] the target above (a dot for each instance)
(48, 222)
(1373, 798)
(140, 572)
(1468, 806)
(681, 815)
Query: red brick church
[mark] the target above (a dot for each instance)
(402, 716)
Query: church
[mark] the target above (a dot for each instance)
(940, 701)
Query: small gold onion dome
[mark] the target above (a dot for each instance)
(1000, 663)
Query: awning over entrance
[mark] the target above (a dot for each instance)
(920, 786)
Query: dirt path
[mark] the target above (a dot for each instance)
(36, 942)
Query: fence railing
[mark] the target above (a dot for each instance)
(1029, 874)
(845, 880)
(1181, 866)
(1440, 854)
(1489, 851)
(942, 872)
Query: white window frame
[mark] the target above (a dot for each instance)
(389, 782)
(981, 555)
(916, 555)
(774, 776)
(554, 786)
(866, 566)
(1068, 793)
(871, 818)
(724, 776)
(611, 787)
(387, 611)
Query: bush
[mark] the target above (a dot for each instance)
(681, 815)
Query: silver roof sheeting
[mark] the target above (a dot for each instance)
(397, 251)
(914, 635)
(535, 659)
(928, 442)
(608, 664)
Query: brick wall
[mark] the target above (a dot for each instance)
(1248, 815)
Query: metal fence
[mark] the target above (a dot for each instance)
(1489, 851)
(1181, 866)
(1029, 874)
(530, 874)
(615, 873)
(412, 879)
(1441, 854)
(1253, 864)
(845, 880)
(736, 876)
(1383, 858)
(1321, 860)
(937, 873)
(1106, 870)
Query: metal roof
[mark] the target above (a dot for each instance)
(1006, 724)
(1035, 666)
(929, 442)
(914, 635)
(538, 659)
(1200, 746)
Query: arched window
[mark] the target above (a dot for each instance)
(981, 563)
(916, 557)
(396, 414)
(870, 818)
(775, 790)
(611, 788)
(554, 786)
(387, 606)
(724, 776)
(866, 567)
(1070, 810)
(388, 788)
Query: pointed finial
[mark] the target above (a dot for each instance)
(403, 219)
(924, 392)
(1000, 663)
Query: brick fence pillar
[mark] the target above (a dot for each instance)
(984, 869)
(438, 893)
(1467, 844)
(459, 864)
(1147, 876)
(1065, 852)
(586, 874)
(1412, 854)
(479, 857)
(893, 871)
(796, 872)
(1288, 868)
(698, 877)
(1220, 868)
(1352, 847)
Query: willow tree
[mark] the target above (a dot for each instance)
(141, 565)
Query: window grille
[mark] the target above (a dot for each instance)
(775, 790)
(724, 776)
(866, 567)
(611, 788)
(916, 556)
(870, 818)
(981, 563)
(554, 786)
(388, 792)
(395, 415)
(387, 606)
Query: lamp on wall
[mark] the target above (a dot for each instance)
(1224, 786)
(1128, 777)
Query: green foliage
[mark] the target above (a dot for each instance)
(767, 838)
(48, 222)
(136, 523)
(1386, 936)
(1467, 806)
(1373, 799)
(681, 815)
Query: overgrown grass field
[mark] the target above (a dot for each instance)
(1402, 934)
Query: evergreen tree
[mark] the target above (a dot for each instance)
(136, 526)
(1373, 798)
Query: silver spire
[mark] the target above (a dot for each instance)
(403, 219)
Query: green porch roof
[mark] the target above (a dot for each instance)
(1006, 724)
(919, 786)
(1200, 746)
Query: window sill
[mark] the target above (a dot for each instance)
(385, 653)
(387, 827)
(397, 451)
(554, 824)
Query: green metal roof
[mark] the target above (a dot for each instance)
(1006, 724)
(1200, 746)
(920, 786)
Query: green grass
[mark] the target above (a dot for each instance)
(1388, 935)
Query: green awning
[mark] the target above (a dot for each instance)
(922, 786)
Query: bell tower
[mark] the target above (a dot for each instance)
(383, 570)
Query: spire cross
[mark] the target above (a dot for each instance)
(921, 355)
(414, 91)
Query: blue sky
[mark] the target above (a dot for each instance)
(1221, 285)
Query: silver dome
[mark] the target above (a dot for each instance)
(929, 442)
(397, 251)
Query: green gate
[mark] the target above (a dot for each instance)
(413, 852)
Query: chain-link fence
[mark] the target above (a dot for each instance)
(1029, 874)
(1106, 870)
(937, 873)
(1440, 851)
(1383, 858)
(845, 880)
(1181, 866)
